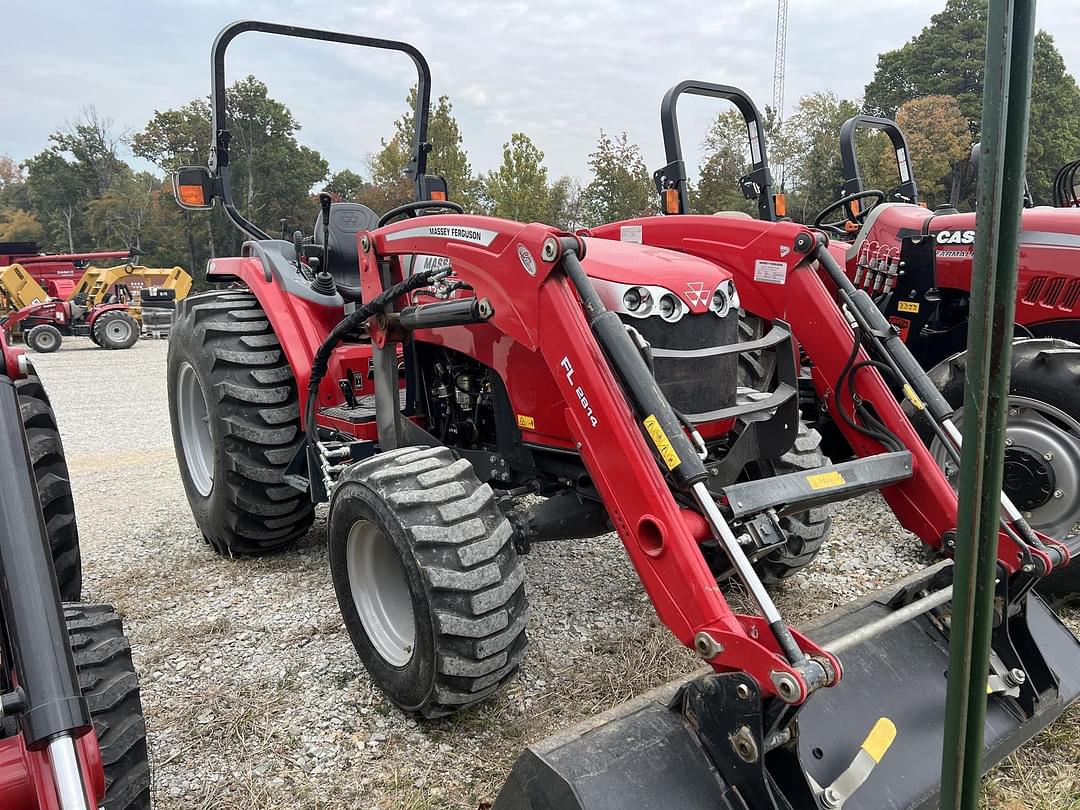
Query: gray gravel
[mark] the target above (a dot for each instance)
(253, 694)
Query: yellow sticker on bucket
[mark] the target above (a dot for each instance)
(662, 442)
(526, 422)
(879, 739)
(825, 480)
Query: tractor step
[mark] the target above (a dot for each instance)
(799, 491)
(686, 744)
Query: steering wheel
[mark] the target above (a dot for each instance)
(411, 209)
(838, 228)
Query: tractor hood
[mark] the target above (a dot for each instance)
(619, 267)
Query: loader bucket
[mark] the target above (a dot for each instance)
(653, 753)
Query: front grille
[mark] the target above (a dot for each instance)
(691, 379)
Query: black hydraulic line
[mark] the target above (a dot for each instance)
(642, 389)
(32, 615)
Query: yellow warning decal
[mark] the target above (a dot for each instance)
(662, 442)
(879, 739)
(908, 306)
(526, 422)
(825, 480)
(913, 398)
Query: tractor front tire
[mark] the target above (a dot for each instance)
(53, 483)
(429, 584)
(806, 531)
(44, 338)
(115, 329)
(235, 415)
(1042, 454)
(111, 688)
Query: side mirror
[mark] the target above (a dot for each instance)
(194, 188)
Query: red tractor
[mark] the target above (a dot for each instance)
(72, 735)
(915, 265)
(460, 387)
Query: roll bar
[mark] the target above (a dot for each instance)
(219, 149)
(757, 185)
(907, 191)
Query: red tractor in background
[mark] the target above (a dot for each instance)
(72, 735)
(915, 264)
(430, 378)
(43, 298)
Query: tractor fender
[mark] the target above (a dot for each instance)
(97, 312)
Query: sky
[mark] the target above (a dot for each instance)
(558, 71)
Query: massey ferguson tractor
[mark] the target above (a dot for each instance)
(915, 266)
(72, 735)
(458, 388)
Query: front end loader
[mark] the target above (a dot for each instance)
(914, 266)
(459, 388)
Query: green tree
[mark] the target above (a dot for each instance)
(389, 166)
(119, 217)
(58, 193)
(811, 136)
(518, 189)
(566, 204)
(946, 58)
(725, 158)
(17, 225)
(272, 174)
(621, 187)
(346, 184)
(940, 143)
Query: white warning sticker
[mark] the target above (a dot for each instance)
(630, 233)
(770, 272)
(478, 236)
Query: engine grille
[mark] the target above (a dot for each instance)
(691, 379)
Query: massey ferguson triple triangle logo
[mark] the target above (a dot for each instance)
(695, 292)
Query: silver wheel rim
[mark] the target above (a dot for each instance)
(1043, 431)
(117, 330)
(46, 341)
(194, 421)
(380, 592)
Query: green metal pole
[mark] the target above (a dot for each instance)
(1006, 100)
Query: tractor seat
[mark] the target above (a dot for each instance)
(346, 220)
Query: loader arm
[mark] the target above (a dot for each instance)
(662, 538)
(20, 287)
(776, 282)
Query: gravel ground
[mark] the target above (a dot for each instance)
(254, 697)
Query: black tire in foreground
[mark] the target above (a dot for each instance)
(235, 416)
(429, 584)
(53, 483)
(1042, 453)
(111, 688)
(44, 338)
(115, 329)
(806, 531)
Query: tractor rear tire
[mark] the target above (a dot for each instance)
(429, 584)
(111, 687)
(53, 484)
(116, 329)
(44, 338)
(235, 415)
(1044, 420)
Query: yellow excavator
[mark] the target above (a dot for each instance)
(106, 304)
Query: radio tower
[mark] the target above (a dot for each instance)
(779, 59)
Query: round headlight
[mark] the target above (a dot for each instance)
(670, 308)
(719, 300)
(637, 300)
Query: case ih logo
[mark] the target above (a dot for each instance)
(695, 293)
(955, 237)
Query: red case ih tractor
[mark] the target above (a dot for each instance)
(916, 266)
(72, 735)
(425, 376)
